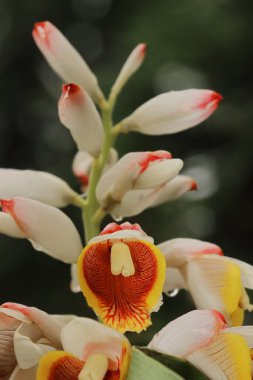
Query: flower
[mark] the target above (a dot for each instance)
(136, 181)
(214, 281)
(47, 228)
(49, 344)
(121, 274)
(78, 113)
(91, 350)
(203, 338)
(64, 59)
(172, 112)
(26, 334)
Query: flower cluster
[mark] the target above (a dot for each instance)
(121, 272)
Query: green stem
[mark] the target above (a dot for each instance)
(92, 213)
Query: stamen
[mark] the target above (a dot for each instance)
(121, 260)
(94, 368)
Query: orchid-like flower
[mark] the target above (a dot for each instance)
(27, 333)
(203, 338)
(121, 274)
(214, 281)
(172, 112)
(137, 181)
(64, 59)
(52, 345)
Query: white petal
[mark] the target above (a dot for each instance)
(181, 250)
(131, 65)
(79, 335)
(123, 176)
(64, 59)
(9, 227)
(172, 112)
(117, 180)
(78, 113)
(158, 174)
(9, 309)
(123, 234)
(133, 203)
(41, 186)
(74, 284)
(48, 228)
(188, 333)
(175, 189)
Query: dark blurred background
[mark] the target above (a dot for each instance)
(196, 43)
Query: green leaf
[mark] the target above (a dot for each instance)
(143, 367)
(184, 368)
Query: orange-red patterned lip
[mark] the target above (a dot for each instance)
(68, 367)
(59, 365)
(122, 302)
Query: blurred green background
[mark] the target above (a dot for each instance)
(191, 43)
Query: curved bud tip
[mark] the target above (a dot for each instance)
(113, 227)
(41, 30)
(143, 50)
(212, 100)
(69, 89)
(194, 186)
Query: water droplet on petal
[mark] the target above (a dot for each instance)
(172, 293)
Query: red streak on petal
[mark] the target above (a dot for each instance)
(122, 299)
(70, 89)
(16, 306)
(211, 99)
(66, 368)
(84, 179)
(113, 227)
(143, 50)
(221, 318)
(7, 205)
(153, 156)
(112, 349)
(194, 186)
(41, 32)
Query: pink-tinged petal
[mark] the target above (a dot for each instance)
(172, 112)
(83, 337)
(174, 189)
(124, 175)
(42, 186)
(181, 250)
(48, 229)
(64, 59)
(158, 174)
(121, 231)
(131, 65)
(188, 333)
(78, 113)
(9, 227)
